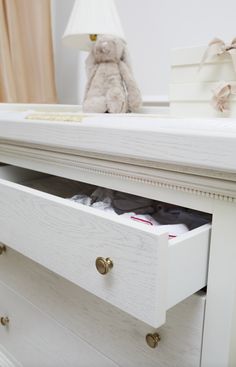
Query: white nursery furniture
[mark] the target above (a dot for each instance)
(164, 302)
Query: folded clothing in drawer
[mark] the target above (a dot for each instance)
(164, 217)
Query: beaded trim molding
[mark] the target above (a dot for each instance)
(111, 172)
(160, 184)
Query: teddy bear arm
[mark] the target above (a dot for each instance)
(134, 95)
(90, 75)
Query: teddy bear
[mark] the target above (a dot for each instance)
(111, 86)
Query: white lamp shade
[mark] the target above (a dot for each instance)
(92, 17)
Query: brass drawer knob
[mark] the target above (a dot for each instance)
(2, 249)
(104, 265)
(153, 340)
(4, 321)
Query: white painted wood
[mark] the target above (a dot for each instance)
(220, 326)
(125, 176)
(63, 231)
(67, 238)
(183, 142)
(36, 340)
(187, 148)
(7, 360)
(108, 329)
(183, 252)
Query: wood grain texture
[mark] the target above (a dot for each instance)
(148, 275)
(221, 301)
(184, 142)
(108, 329)
(7, 360)
(104, 171)
(203, 150)
(36, 340)
(187, 254)
(67, 238)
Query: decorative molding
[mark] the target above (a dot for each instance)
(158, 183)
(151, 136)
(168, 179)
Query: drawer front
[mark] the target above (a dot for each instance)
(67, 238)
(111, 331)
(35, 340)
(7, 360)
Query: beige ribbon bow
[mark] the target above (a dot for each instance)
(221, 96)
(218, 47)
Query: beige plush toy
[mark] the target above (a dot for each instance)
(110, 86)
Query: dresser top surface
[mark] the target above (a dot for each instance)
(208, 144)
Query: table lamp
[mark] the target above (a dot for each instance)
(90, 18)
(94, 26)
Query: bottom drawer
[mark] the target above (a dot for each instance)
(108, 329)
(35, 340)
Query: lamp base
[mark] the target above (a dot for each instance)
(93, 37)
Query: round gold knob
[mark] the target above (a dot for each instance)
(4, 321)
(104, 265)
(153, 340)
(2, 249)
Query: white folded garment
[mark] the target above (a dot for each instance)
(82, 199)
(105, 205)
(174, 230)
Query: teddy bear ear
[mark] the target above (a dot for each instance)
(125, 57)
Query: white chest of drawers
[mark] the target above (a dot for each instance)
(164, 159)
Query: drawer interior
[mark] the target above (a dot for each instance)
(164, 217)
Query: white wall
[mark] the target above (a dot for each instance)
(66, 59)
(152, 28)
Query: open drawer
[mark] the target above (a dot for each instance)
(150, 273)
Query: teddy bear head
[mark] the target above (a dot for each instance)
(108, 49)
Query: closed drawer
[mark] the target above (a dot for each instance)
(108, 329)
(35, 340)
(149, 272)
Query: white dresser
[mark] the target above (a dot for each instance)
(55, 307)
